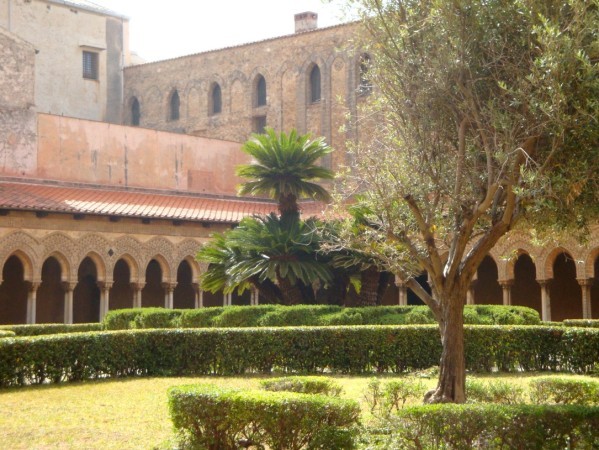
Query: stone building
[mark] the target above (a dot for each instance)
(112, 174)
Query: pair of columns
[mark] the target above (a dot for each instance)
(254, 298)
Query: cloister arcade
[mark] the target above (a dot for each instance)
(61, 280)
(58, 279)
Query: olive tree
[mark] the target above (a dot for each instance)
(484, 117)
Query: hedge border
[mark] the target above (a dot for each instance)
(51, 328)
(230, 351)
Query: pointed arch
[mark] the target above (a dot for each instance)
(174, 105)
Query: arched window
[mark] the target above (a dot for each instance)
(365, 86)
(135, 112)
(260, 91)
(175, 104)
(315, 84)
(216, 100)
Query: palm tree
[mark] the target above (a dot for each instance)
(284, 169)
(263, 251)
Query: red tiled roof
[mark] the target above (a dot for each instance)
(127, 203)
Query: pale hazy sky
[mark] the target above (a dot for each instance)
(166, 29)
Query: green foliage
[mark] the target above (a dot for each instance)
(303, 385)
(214, 418)
(284, 167)
(498, 392)
(308, 315)
(492, 427)
(6, 333)
(384, 398)
(230, 351)
(51, 328)
(565, 391)
(581, 323)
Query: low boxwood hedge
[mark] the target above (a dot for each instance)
(220, 351)
(591, 323)
(215, 418)
(7, 333)
(309, 315)
(565, 391)
(488, 426)
(51, 328)
(303, 385)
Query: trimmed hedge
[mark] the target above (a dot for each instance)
(491, 427)
(565, 391)
(590, 323)
(214, 418)
(51, 328)
(303, 385)
(228, 351)
(7, 333)
(308, 315)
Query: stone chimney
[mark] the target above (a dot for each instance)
(306, 21)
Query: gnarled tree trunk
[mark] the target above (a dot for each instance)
(370, 286)
(291, 293)
(451, 387)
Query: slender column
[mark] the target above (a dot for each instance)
(506, 286)
(169, 288)
(32, 301)
(585, 285)
(228, 299)
(402, 296)
(545, 300)
(255, 300)
(137, 288)
(69, 287)
(104, 297)
(199, 295)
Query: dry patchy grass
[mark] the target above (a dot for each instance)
(117, 414)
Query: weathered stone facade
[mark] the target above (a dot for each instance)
(286, 63)
(61, 32)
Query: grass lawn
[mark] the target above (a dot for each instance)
(119, 414)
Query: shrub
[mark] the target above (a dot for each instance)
(156, 318)
(230, 351)
(51, 328)
(6, 333)
(384, 398)
(213, 418)
(303, 385)
(498, 392)
(199, 318)
(308, 315)
(492, 427)
(581, 323)
(241, 316)
(565, 391)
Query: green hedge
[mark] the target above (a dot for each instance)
(565, 391)
(308, 315)
(303, 385)
(590, 323)
(7, 333)
(51, 328)
(555, 427)
(356, 350)
(214, 418)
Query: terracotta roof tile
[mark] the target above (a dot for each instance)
(126, 203)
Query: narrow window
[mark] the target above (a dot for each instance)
(135, 112)
(315, 84)
(90, 65)
(175, 104)
(217, 101)
(365, 86)
(260, 91)
(259, 124)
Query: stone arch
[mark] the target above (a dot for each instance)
(127, 245)
(99, 263)
(508, 267)
(173, 105)
(565, 291)
(547, 260)
(121, 290)
(51, 292)
(14, 290)
(86, 295)
(589, 262)
(133, 111)
(187, 250)
(217, 84)
(162, 249)
(165, 267)
(25, 245)
(193, 100)
(63, 262)
(27, 263)
(525, 289)
(486, 287)
(255, 75)
(99, 246)
(184, 293)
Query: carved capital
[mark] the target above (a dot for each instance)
(585, 282)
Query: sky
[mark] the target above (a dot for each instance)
(162, 30)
